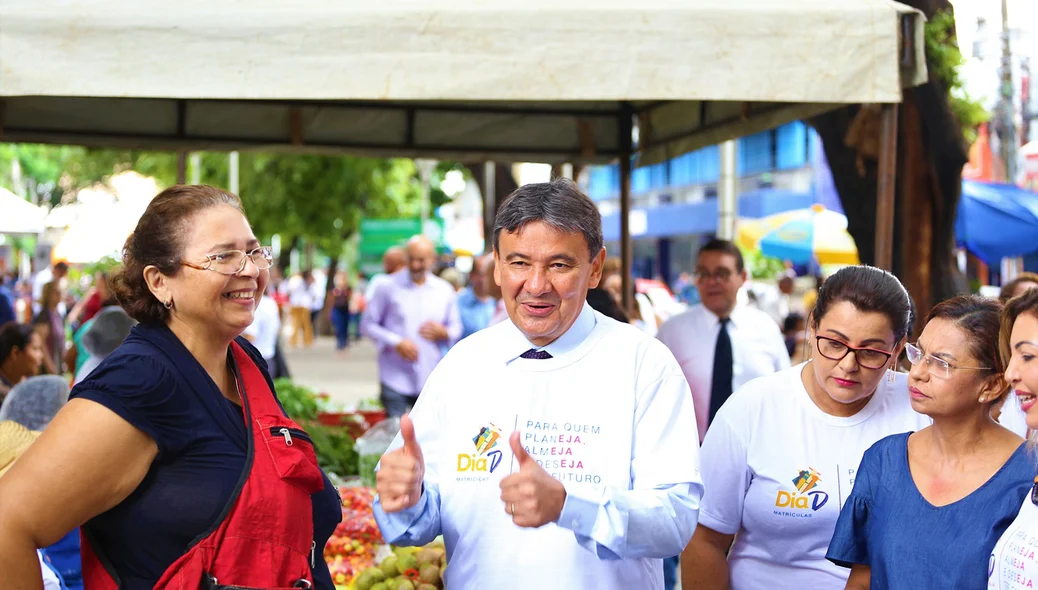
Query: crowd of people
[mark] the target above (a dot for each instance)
(553, 437)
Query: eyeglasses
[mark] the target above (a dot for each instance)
(936, 366)
(720, 275)
(232, 262)
(835, 350)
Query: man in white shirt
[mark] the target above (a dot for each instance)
(264, 331)
(720, 344)
(556, 450)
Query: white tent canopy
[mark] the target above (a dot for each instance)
(538, 80)
(18, 216)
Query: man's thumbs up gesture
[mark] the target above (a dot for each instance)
(532, 497)
(399, 478)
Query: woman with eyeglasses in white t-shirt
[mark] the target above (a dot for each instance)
(780, 457)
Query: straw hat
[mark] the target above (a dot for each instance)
(14, 440)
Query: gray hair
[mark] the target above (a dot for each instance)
(559, 204)
(33, 403)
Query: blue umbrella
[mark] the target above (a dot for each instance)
(997, 221)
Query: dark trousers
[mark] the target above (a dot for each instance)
(396, 403)
(341, 324)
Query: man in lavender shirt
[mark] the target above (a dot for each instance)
(413, 318)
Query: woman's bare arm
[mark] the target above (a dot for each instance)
(85, 462)
(704, 562)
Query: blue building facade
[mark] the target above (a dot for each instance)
(674, 203)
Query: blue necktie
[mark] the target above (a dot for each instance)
(721, 383)
(533, 353)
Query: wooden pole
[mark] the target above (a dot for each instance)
(626, 245)
(884, 246)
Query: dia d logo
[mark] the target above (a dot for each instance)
(486, 458)
(806, 496)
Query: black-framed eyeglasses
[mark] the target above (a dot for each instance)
(937, 367)
(835, 350)
(232, 262)
(720, 275)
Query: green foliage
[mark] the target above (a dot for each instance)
(300, 402)
(944, 60)
(333, 446)
(761, 266)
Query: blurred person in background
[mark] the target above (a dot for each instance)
(475, 304)
(393, 260)
(264, 332)
(339, 311)
(300, 303)
(105, 332)
(601, 300)
(412, 319)
(76, 355)
(21, 355)
(51, 327)
(56, 273)
(1018, 286)
(7, 303)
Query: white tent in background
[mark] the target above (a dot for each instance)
(533, 81)
(18, 216)
(537, 80)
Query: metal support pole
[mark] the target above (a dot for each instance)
(626, 245)
(726, 197)
(232, 172)
(884, 245)
(489, 204)
(181, 167)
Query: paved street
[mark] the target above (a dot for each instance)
(347, 378)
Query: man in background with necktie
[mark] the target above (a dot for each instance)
(719, 343)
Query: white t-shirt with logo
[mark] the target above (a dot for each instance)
(777, 470)
(1014, 562)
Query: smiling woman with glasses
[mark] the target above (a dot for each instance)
(177, 426)
(918, 495)
(781, 455)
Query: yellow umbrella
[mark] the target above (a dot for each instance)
(801, 236)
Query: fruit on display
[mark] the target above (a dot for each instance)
(359, 559)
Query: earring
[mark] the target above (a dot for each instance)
(891, 376)
(168, 304)
(982, 399)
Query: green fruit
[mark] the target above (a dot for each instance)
(369, 578)
(407, 562)
(404, 585)
(380, 586)
(390, 566)
(426, 587)
(429, 574)
(426, 556)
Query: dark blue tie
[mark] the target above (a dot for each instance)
(533, 353)
(721, 383)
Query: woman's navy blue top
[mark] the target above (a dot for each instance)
(910, 543)
(154, 383)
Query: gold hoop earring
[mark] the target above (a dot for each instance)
(168, 304)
